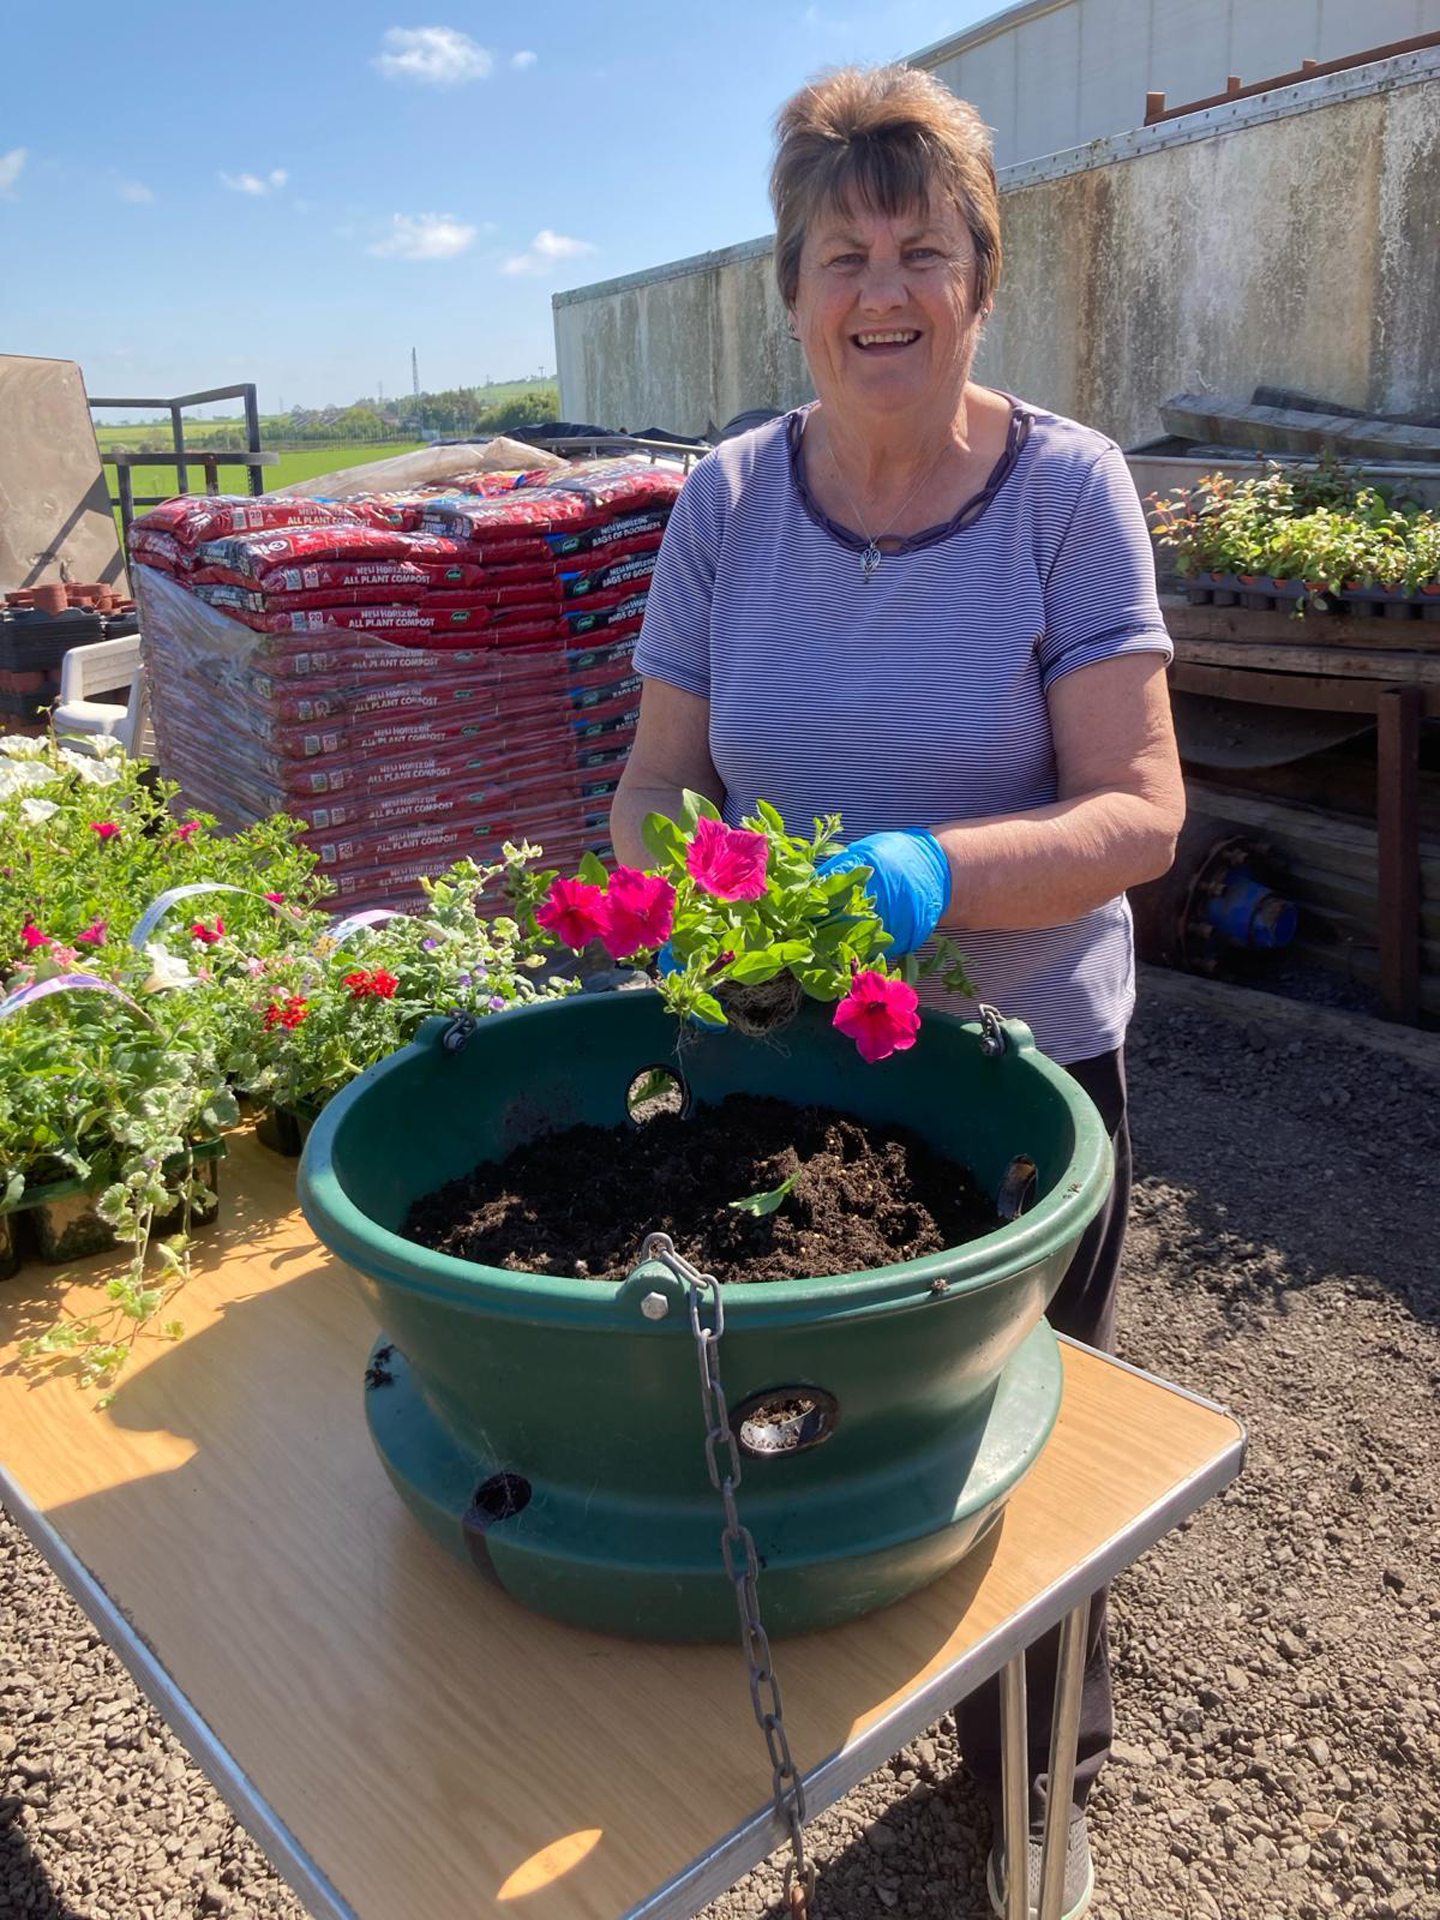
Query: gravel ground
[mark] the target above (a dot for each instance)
(1277, 1660)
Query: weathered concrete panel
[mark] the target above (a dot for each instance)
(1301, 251)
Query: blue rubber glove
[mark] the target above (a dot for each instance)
(909, 882)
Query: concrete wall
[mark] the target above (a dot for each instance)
(1051, 74)
(1294, 240)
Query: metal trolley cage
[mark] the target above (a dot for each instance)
(184, 456)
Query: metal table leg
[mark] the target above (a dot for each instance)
(1064, 1737)
(1015, 1787)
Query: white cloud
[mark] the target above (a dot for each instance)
(433, 56)
(134, 191)
(11, 166)
(254, 183)
(523, 59)
(424, 236)
(546, 250)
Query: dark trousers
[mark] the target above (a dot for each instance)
(1085, 1308)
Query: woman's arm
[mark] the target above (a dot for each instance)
(1121, 806)
(671, 752)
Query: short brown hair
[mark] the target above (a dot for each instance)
(894, 137)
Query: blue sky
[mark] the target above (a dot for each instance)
(297, 194)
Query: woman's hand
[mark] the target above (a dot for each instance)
(909, 882)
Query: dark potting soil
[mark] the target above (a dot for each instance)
(581, 1202)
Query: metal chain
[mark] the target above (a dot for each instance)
(742, 1565)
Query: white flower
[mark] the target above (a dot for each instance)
(165, 970)
(20, 747)
(37, 811)
(95, 773)
(24, 776)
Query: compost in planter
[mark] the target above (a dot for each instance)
(580, 1201)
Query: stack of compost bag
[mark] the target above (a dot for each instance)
(420, 677)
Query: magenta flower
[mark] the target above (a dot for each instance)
(574, 912)
(639, 912)
(107, 829)
(276, 899)
(882, 1016)
(33, 937)
(187, 830)
(728, 862)
(209, 935)
(93, 935)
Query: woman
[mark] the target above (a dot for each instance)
(930, 607)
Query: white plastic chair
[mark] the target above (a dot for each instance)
(99, 667)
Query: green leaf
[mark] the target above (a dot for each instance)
(695, 809)
(709, 1008)
(821, 983)
(752, 969)
(770, 816)
(759, 1204)
(591, 871)
(664, 841)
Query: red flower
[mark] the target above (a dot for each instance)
(574, 913)
(379, 985)
(94, 934)
(107, 829)
(639, 912)
(287, 1015)
(187, 830)
(33, 937)
(209, 934)
(882, 1016)
(276, 899)
(728, 861)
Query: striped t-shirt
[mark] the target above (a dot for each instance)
(917, 697)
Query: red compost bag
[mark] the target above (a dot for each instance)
(193, 519)
(608, 535)
(630, 570)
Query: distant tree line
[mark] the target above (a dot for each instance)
(459, 412)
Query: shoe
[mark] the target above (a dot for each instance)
(1079, 1875)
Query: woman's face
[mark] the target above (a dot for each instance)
(884, 307)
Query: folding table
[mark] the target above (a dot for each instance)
(399, 1736)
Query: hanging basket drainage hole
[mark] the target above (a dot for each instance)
(501, 1497)
(784, 1420)
(656, 1090)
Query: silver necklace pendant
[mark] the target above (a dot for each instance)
(869, 561)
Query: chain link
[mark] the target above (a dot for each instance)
(742, 1566)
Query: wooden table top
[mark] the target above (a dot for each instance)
(429, 1746)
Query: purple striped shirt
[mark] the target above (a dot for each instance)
(917, 697)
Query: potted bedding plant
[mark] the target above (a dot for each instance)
(872, 1202)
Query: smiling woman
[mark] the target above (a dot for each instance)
(930, 607)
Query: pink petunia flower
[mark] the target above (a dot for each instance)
(728, 862)
(276, 899)
(107, 829)
(63, 957)
(574, 912)
(639, 912)
(94, 934)
(209, 934)
(882, 1016)
(33, 937)
(187, 830)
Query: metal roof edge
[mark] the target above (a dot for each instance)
(1281, 103)
(671, 270)
(1008, 18)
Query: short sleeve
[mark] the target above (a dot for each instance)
(674, 642)
(1100, 598)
